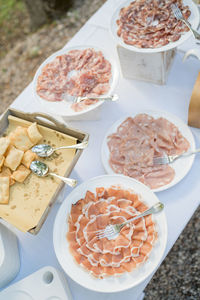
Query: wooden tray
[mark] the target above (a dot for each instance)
(49, 122)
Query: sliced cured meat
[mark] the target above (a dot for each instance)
(137, 141)
(123, 253)
(77, 73)
(151, 24)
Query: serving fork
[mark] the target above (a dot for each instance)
(112, 98)
(111, 230)
(179, 16)
(168, 159)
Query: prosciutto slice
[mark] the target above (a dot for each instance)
(110, 257)
(151, 23)
(137, 141)
(77, 73)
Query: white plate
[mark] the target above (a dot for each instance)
(181, 166)
(193, 19)
(77, 273)
(62, 108)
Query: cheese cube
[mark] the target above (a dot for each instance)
(6, 172)
(20, 139)
(2, 159)
(34, 133)
(13, 158)
(28, 157)
(4, 190)
(20, 174)
(4, 143)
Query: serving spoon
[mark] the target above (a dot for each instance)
(44, 150)
(42, 170)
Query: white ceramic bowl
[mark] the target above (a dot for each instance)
(80, 275)
(193, 19)
(9, 256)
(62, 108)
(181, 166)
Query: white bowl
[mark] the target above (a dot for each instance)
(62, 108)
(181, 166)
(193, 19)
(79, 274)
(9, 256)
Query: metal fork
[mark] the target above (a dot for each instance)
(168, 159)
(113, 98)
(111, 230)
(179, 16)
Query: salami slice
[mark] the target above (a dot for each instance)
(151, 24)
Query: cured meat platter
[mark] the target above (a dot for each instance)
(150, 64)
(193, 19)
(64, 108)
(181, 167)
(112, 283)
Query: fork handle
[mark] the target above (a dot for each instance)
(195, 33)
(154, 209)
(186, 154)
(113, 98)
(191, 152)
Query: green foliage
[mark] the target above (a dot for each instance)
(8, 9)
(13, 23)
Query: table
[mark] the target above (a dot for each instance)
(180, 201)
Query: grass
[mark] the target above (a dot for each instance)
(13, 23)
(8, 9)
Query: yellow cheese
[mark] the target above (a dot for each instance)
(34, 133)
(20, 174)
(2, 159)
(4, 143)
(13, 158)
(4, 190)
(20, 139)
(28, 157)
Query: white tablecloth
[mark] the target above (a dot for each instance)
(180, 201)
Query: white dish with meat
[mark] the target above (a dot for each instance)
(76, 71)
(64, 241)
(145, 22)
(133, 141)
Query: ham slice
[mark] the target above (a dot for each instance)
(77, 73)
(110, 257)
(135, 143)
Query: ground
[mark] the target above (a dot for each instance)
(21, 52)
